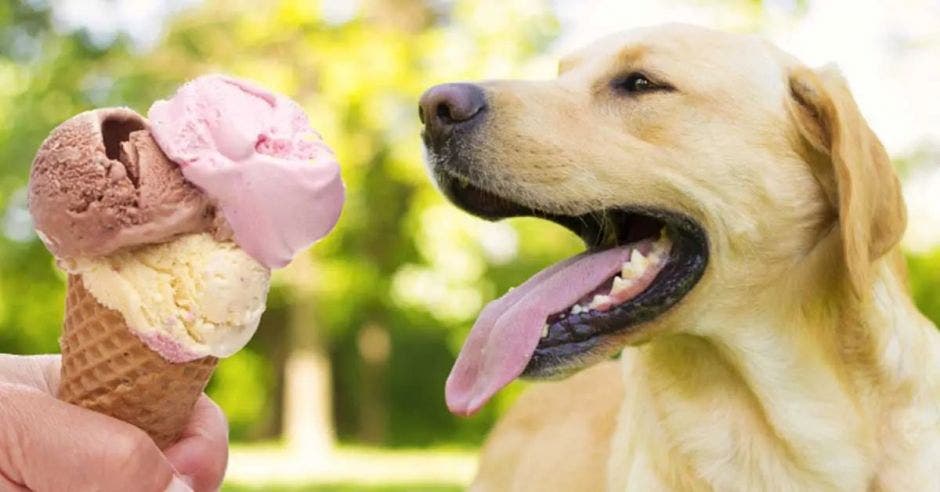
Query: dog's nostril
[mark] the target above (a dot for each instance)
(449, 105)
(445, 114)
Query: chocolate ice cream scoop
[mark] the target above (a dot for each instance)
(100, 183)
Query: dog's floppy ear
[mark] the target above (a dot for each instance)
(860, 179)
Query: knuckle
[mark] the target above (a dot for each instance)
(133, 460)
(129, 451)
(222, 420)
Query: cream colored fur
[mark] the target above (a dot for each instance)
(799, 361)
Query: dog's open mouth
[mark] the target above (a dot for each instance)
(638, 264)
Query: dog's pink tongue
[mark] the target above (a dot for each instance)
(509, 328)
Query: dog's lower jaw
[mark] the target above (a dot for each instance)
(757, 407)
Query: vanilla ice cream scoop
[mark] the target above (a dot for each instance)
(186, 299)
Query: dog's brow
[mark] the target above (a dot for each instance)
(567, 63)
(630, 54)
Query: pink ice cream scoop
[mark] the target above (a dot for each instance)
(254, 153)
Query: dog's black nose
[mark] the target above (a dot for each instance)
(444, 107)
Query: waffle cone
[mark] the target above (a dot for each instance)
(108, 369)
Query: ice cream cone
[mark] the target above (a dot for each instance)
(169, 269)
(108, 369)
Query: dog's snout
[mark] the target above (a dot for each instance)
(444, 107)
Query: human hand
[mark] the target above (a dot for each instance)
(47, 444)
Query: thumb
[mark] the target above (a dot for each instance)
(202, 451)
(47, 444)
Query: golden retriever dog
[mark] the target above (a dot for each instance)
(742, 225)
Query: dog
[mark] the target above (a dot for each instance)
(742, 224)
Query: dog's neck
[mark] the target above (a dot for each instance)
(811, 396)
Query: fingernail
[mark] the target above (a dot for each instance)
(178, 484)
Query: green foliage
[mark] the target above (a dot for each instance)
(244, 373)
(924, 276)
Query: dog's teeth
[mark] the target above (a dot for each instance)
(620, 285)
(660, 248)
(663, 243)
(577, 309)
(545, 330)
(638, 260)
(599, 300)
(630, 271)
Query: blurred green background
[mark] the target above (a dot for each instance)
(349, 363)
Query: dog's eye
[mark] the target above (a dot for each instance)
(635, 83)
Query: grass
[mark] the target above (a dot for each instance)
(279, 468)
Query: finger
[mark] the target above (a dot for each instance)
(201, 454)
(7, 485)
(47, 444)
(37, 371)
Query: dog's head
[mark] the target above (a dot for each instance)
(700, 168)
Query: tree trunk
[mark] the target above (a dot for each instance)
(308, 393)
